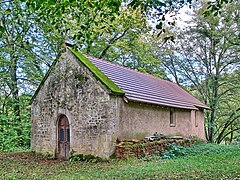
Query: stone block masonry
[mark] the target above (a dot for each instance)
(73, 91)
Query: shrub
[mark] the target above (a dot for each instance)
(84, 158)
(208, 148)
(173, 151)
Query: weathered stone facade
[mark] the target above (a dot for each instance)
(96, 116)
(72, 90)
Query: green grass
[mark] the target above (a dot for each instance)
(203, 161)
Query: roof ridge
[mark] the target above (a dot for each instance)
(135, 70)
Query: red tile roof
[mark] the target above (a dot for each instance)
(146, 88)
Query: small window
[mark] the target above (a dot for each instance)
(68, 135)
(172, 118)
(61, 135)
(196, 118)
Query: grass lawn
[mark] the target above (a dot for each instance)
(203, 161)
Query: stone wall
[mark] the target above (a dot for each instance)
(138, 120)
(71, 89)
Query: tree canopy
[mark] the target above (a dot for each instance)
(204, 58)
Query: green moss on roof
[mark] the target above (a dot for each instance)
(98, 73)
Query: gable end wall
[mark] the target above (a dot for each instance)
(71, 89)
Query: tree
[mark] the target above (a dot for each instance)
(59, 15)
(125, 41)
(105, 32)
(22, 65)
(205, 54)
(228, 119)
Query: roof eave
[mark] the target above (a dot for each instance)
(161, 105)
(203, 107)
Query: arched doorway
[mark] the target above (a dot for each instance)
(63, 138)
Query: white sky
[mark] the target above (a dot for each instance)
(184, 16)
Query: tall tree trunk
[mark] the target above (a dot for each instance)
(14, 84)
(14, 89)
(231, 135)
(214, 104)
(15, 93)
(206, 125)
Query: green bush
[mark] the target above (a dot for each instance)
(84, 158)
(173, 151)
(15, 130)
(208, 148)
(198, 149)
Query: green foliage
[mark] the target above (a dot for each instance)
(205, 59)
(25, 52)
(216, 7)
(237, 138)
(60, 15)
(73, 19)
(84, 158)
(154, 157)
(173, 151)
(205, 149)
(14, 135)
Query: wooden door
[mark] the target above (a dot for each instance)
(63, 138)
